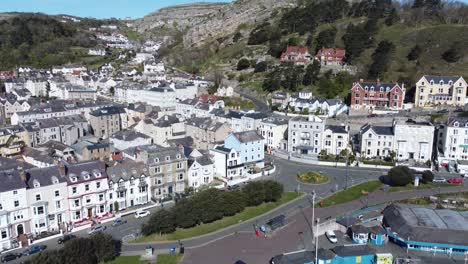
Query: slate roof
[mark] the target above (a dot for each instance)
(166, 121)
(42, 156)
(129, 135)
(359, 229)
(247, 136)
(185, 141)
(445, 79)
(222, 149)
(8, 164)
(44, 176)
(125, 169)
(337, 129)
(427, 224)
(325, 254)
(353, 250)
(79, 170)
(203, 160)
(276, 121)
(204, 123)
(379, 130)
(298, 257)
(112, 110)
(11, 180)
(52, 144)
(240, 114)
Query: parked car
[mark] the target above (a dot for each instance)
(140, 214)
(456, 181)
(96, 229)
(331, 236)
(443, 111)
(10, 257)
(65, 238)
(34, 250)
(465, 175)
(439, 180)
(233, 187)
(119, 221)
(372, 115)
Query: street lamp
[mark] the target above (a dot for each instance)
(313, 216)
(316, 240)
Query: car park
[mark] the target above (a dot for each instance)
(140, 214)
(439, 180)
(119, 221)
(10, 257)
(330, 234)
(65, 238)
(96, 229)
(34, 250)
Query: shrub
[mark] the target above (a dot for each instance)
(162, 221)
(273, 191)
(255, 193)
(400, 175)
(243, 64)
(234, 202)
(261, 66)
(427, 176)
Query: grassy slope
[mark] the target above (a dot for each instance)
(248, 213)
(161, 259)
(351, 194)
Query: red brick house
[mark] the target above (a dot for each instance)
(377, 94)
(330, 56)
(296, 54)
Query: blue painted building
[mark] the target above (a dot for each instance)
(377, 235)
(296, 257)
(421, 228)
(347, 254)
(360, 234)
(249, 144)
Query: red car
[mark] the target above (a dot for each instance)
(455, 181)
(372, 115)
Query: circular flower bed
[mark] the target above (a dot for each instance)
(312, 177)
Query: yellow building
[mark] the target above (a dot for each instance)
(440, 90)
(12, 141)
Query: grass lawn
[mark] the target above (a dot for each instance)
(350, 194)
(312, 177)
(411, 187)
(248, 213)
(162, 259)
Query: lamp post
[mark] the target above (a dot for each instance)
(316, 240)
(313, 215)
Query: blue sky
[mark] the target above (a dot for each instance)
(93, 8)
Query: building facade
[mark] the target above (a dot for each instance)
(377, 94)
(440, 90)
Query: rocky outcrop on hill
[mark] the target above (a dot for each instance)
(204, 22)
(179, 17)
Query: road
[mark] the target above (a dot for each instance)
(239, 237)
(261, 105)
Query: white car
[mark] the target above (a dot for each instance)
(140, 214)
(439, 179)
(465, 175)
(331, 236)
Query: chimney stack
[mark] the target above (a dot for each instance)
(62, 169)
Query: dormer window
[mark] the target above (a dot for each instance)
(381, 89)
(432, 82)
(450, 82)
(366, 88)
(55, 180)
(466, 124)
(36, 184)
(372, 88)
(156, 160)
(74, 179)
(456, 124)
(168, 158)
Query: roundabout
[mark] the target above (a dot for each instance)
(312, 177)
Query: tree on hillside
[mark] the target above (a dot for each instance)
(236, 37)
(243, 64)
(415, 53)
(311, 73)
(381, 59)
(105, 247)
(454, 53)
(261, 66)
(392, 17)
(325, 39)
(259, 35)
(400, 175)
